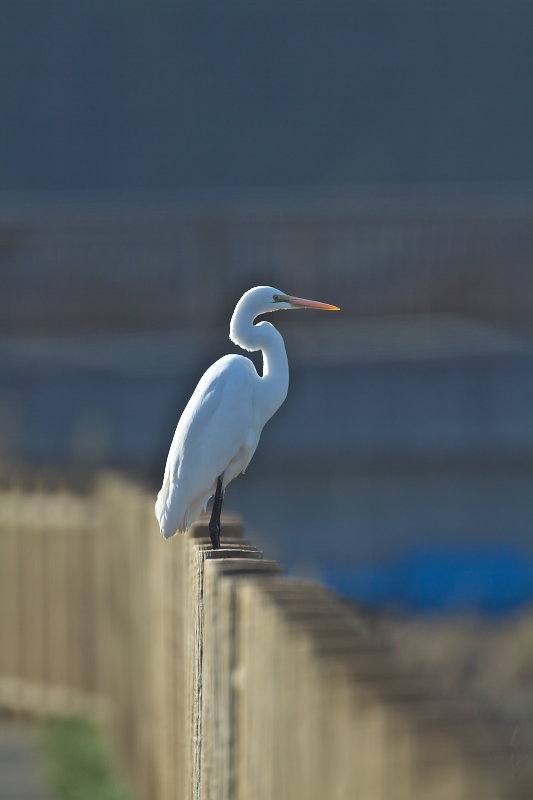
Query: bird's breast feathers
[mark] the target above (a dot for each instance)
(217, 427)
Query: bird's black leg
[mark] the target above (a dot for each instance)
(214, 522)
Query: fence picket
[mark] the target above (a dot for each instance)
(217, 678)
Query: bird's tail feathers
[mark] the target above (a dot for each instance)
(173, 513)
(161, 509)
(170, 513)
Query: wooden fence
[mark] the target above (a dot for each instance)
(215, 676)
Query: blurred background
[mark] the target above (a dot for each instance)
(156, 161)
(159, 159)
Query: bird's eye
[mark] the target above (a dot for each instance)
(276, 298)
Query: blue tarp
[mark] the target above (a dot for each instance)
(495, 579)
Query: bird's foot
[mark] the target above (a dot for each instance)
(214, 531)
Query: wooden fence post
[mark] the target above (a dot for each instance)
(200, 553)
(221, 670)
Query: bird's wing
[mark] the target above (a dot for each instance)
(215, 427)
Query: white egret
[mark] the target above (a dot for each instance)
(219, 430)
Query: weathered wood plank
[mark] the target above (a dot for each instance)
(217, 678)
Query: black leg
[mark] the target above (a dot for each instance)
(214, 522)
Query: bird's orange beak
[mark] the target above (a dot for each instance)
(299, 301)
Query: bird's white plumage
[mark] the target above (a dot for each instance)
(217, 433)
(220, 427)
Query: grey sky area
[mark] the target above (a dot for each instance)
(171, 95)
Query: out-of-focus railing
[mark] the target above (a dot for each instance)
(50, 601)
(145, 266)
(215, 676)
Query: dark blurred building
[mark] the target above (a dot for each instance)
(146, 152)
(410, 414)
(74, 266)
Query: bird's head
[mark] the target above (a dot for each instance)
(265, 298)
(261, 300)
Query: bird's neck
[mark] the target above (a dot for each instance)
(275, 378)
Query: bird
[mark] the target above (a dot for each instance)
(219, 429)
